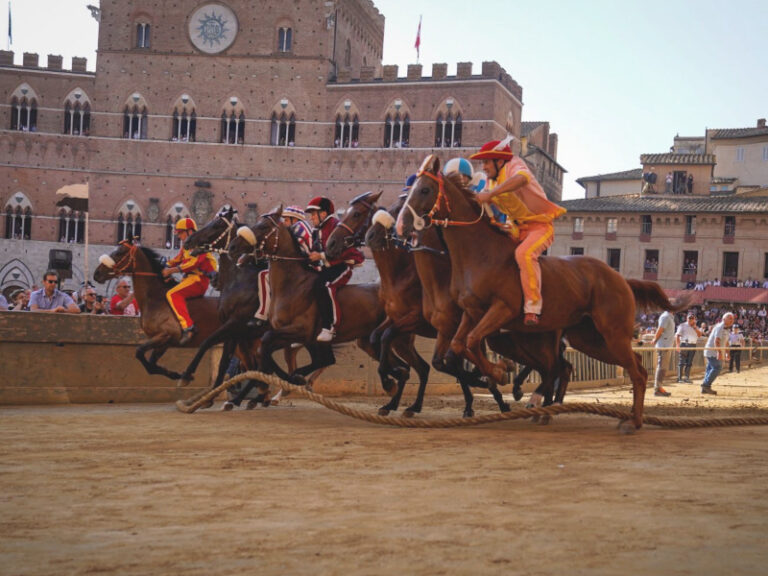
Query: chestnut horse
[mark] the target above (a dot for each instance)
(158, 321)
(577, 292)
(429, 297)
(293, 313)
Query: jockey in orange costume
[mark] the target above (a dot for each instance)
(196, 270)
(514, 190)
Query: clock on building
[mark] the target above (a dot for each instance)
(212, 28)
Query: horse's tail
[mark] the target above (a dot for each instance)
(651, 296)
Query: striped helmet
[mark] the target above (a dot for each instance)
(294, 212)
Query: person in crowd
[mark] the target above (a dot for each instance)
(197, 271)
(686, 337)
(92, 303)
(123, 303)
(716, 352)
(3, 303)
(50, 299)
(668, 183)
(333, 274)
(20, 301)
(513, 188)
(736, 342)
(663, 340)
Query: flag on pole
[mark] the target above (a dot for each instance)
(418, 41)
(10, 32)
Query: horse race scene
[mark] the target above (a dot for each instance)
(375, 287)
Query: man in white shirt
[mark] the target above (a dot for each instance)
(664, 340)
(736, 342)
(686, 337)
(716, 352)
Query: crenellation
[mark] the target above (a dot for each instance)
(30, 60)
(439, 71)
(464, 70)
(55, 62)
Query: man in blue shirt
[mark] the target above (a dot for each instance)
(716, 352)
(50, 299)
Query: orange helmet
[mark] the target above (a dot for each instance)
(489, 152)
(186, 224)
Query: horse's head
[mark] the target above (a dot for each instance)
(216, 234)
(422, 201)
(354, 224)
(121, 261)
(262, 239)
(382, 229)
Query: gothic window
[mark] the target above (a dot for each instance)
(18, 218)
(24, 114)
(284, 39)
(397, 131)
(135, 122)
(77, 114)
(71, 226)
(129, 222)
(283, 129)
(232, 128)
(448, 131)
(347, 132)
(142, 34)
(184, 123)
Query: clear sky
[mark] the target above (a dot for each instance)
(615, 78)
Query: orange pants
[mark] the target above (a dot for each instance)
(535, 237)
(192, 286)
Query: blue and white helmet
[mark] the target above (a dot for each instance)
(460, 165)
(479, 181)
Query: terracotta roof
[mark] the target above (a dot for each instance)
(672, 158)
(634, 174)
(528, 127)
(720, 294)
(725, 133)
(669, 203)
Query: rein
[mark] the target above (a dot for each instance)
(259, 251)
(227, 232)
(356, 238)
(127, 264)
(420, 223)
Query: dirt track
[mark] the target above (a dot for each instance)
(116, 489)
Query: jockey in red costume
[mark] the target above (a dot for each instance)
(196, 270)
(514, 190)
(296, 220)
(333, 274)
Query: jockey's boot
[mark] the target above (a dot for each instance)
(326, 335)
(187, 334)
(531, 319)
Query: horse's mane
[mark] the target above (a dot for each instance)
(472, 199)
(156, 264)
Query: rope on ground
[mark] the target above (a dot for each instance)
(515, 414)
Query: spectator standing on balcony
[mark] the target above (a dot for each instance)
(689, 184)
(50, 299)
(664, 338)
(716, 352)
(686, 337)
(668, 183)
(736, 341)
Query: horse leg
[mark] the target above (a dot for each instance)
(407, 351)
(395, 389)
(444, 360)
(519, 380)
(383, 353)
(158, 345)
(495, 318)
(218, 336)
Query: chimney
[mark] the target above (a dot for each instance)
(553, 146)
(761, 122)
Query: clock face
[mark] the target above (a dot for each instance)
(212, 28)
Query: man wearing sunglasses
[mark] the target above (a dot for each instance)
(50, 299)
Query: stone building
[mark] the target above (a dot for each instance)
(193, 105)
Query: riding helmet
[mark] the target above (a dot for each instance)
(489, 152)
(186, 224)
(320, 203)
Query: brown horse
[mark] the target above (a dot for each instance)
(158, 321)
(293, 313)
(577, 292)
(433, 269)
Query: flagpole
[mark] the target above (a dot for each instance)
(87, 279)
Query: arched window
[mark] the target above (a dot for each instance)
(142, 34)
(284, 39)
(397, 131)
(448, 126)
(77, 114)
(184, 123)
(347, 132)
(24, 114)
(233, 123)
(283, 129)
(129, 221)
(18, 217)
(71, 226)
(135, 122)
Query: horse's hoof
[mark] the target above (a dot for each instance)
(535, 419)
(298, 380)
(517, 394)
(266, 402)
(227, 406)
(409, 413)
(544, 420)
(627, 427)
(383, 411)
(468, 413)
(504, 407)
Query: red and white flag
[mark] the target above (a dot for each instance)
(418, 40)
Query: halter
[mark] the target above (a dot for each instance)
(356, 238)
(127, 264)
(420, 223)
(227, 232)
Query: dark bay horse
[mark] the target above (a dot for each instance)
(293, 313)
(158, 321)
(579, 292)
(433, 270)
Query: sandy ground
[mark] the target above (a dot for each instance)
(297, 489)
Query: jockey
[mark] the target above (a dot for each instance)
(196, 270)
(296, 220)
(333, 274)
(513, 188)
(475, 180)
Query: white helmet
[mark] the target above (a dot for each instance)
(460, 165)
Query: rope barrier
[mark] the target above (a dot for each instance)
(198, 401)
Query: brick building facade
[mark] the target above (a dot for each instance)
(251, 103)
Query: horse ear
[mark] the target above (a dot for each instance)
(375, 196)
(431, 164)
(277, 210)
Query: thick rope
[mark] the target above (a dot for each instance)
(515, 414)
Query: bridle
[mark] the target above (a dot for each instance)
(228, 234)
(127, 263)
(420, 223)
(260, 250)
(356, 238)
